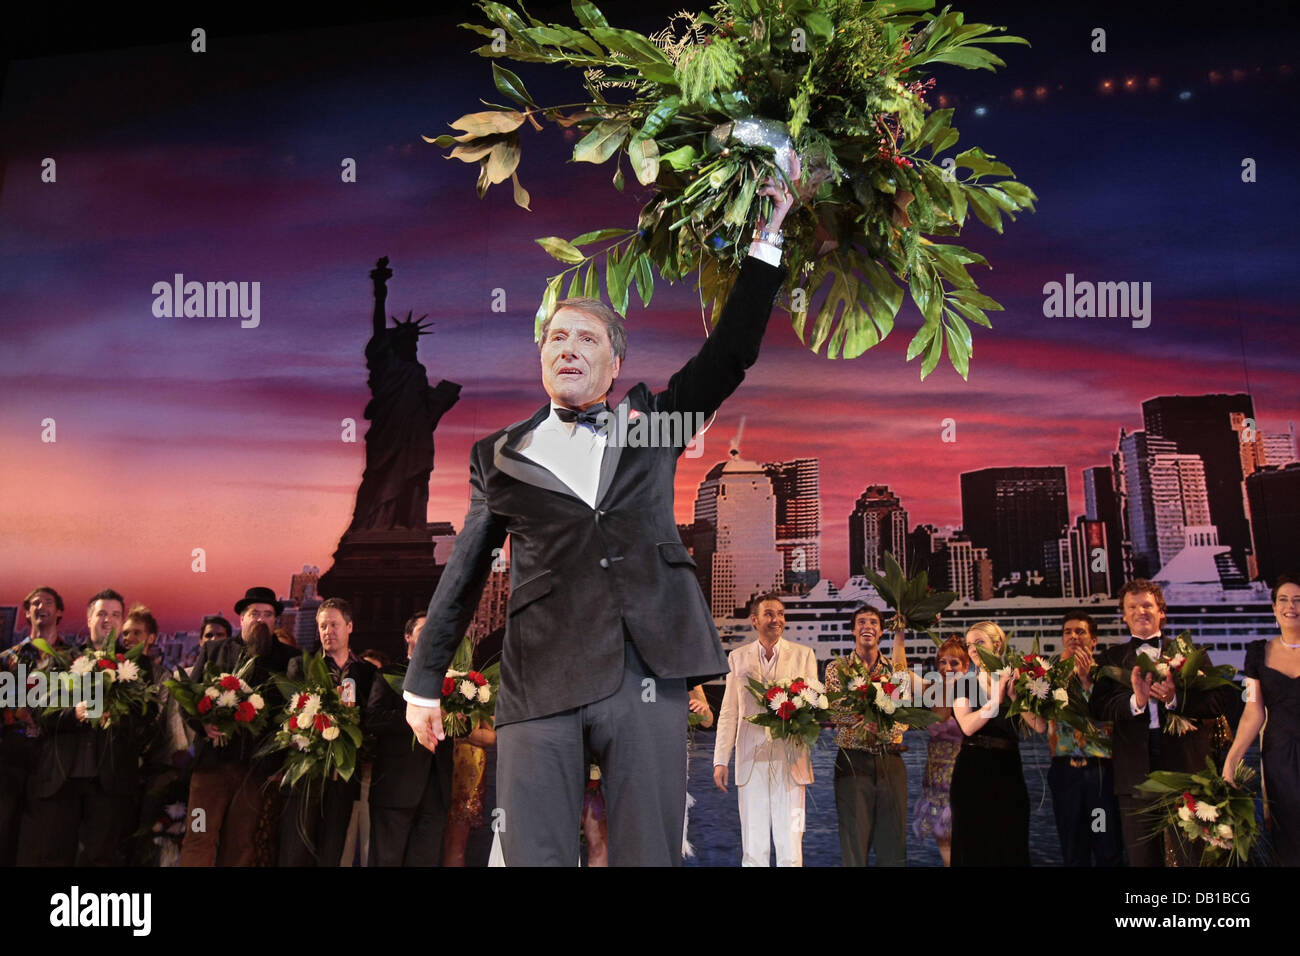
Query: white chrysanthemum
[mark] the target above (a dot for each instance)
(211, 692)
(484, 694)
(1225, 830)
(777, 700)
(228, 699)
(256, 701)
(1184, 813)
(128, 671)
(1207, 812)
(82, 665)
(854, 684)
(468, 689)
(300, 741)
(884, 702)
(1039, 687)
(823, 702)
(313, 704)
(809, 696)
(1061, 696)
(816, 685)
(330, 733)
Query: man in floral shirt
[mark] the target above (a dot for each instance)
(1082, 777)
(870, 779)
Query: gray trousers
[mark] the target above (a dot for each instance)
(637, 735)
(871, 799)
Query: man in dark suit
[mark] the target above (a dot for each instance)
(1139, 715)
(607, 623)
(410, 788)
(227, 783)
(20, 728)
(84, 792)
(314, 825)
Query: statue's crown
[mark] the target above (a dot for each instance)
(416, 326)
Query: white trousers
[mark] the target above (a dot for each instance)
(771, 811)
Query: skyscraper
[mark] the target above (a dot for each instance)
(1102, 503)
(1012, 512)
(736, 499)
(878, 524)
(1133, 465)
(1274, 495)
(1178, 501)
(797, 487)
(1202, 425)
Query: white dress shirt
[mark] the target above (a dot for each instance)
(570, 451)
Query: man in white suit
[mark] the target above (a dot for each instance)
(770, 774)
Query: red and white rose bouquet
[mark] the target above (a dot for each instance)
(793, 710)
(224, 700)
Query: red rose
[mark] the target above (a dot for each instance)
(1190, 801)
(772, 692)
(448, 686)
(244, 712)
(785, 711)
(105, 664)
(797, 686)
(889, 688)
(321, 722)
(121, 657)
(230, 682)
(301, 702)
(478, 679)
(205, 704)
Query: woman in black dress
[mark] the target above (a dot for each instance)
(990, 805)
(1273, 692)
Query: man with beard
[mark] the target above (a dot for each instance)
(228, 783)
(19, 730)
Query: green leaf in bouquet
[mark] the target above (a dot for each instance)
(511, 85)
(601, 143)
(561, 249)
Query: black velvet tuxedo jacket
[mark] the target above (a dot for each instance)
(580, 575)
(1184, 754)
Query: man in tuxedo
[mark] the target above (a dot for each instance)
(227, 783)
(1139, 714)
(607, 625)
(770, 774)
(314, 825)
(410, 788)
(84, 792)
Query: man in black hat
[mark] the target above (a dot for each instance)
(228, 784)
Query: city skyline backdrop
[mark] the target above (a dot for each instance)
(175, 434)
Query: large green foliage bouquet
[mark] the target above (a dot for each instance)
(702, 113)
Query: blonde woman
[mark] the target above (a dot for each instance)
(990, 805)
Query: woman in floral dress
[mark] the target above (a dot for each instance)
(932, 816)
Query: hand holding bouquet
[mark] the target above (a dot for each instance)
(223, 701)
(791, 710)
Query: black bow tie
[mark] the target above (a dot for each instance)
(1147, 641)
(590, 416)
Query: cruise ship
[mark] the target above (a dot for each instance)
(1222, 613)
